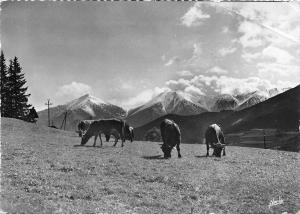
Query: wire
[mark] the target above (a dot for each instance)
(262, 25)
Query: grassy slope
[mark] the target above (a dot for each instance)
(42, 172)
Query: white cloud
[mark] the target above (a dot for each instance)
(142, 97)
(180, 84)
(194, 16)
(193, 90)
(169, 63)
(225, 51)
(250, 57)
(184, 73)
(253, 35)
(229, 85)
(217, 70)
(72, 91)
(172, 61)
(276, 23)
(277, 71)
(279, 55)
(212, 85)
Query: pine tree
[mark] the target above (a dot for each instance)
(3, 85)
(17, 98)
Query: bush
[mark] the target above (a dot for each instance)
(153, 135)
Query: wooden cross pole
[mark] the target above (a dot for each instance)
(48, 104)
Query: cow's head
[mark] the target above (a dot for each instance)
(166, 150)
(85, 138)
(107, 137)
(218, 147)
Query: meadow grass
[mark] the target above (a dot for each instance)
(45, 171)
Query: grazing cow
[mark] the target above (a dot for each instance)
(104, 126)
(171, 137)
(214, 137)
(129, 135)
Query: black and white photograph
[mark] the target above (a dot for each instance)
(150, 107)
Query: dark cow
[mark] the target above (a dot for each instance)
(129, 135)
(105, 126)
(171, 137)
(214, 137)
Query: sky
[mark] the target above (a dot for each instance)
(128, 52)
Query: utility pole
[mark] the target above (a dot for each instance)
(265, 146)
(48, 104)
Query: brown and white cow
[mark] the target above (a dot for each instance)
(171, 137)
(214, 137)
(106, 126)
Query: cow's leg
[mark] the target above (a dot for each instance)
(224, 154)
(207, 149)
(116, 140)
(178, 150)
(100, 139)
(95, 140)
(123, 140)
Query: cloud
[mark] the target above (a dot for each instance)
(277, 71)
(172, 61)
(212, 85)
(180, 84)
(276, 23)
(225, 51)
(184, 73)
(72, 91)
(279, 55)
(253, 35)
(143, 97)
(194, 16)
(217, 70)
(193, 90)
(250, 57)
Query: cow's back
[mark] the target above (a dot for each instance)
(108, 124)
(214, 134)
(170, 131)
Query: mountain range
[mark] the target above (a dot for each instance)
(171, 102)
(279, 112)
(180, 103)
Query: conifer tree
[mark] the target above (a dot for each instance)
(17, 98)
(3, 85)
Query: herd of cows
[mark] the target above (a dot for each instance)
(170, 133)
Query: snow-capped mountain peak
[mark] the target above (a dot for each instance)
(167, 99)
(84, 102)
